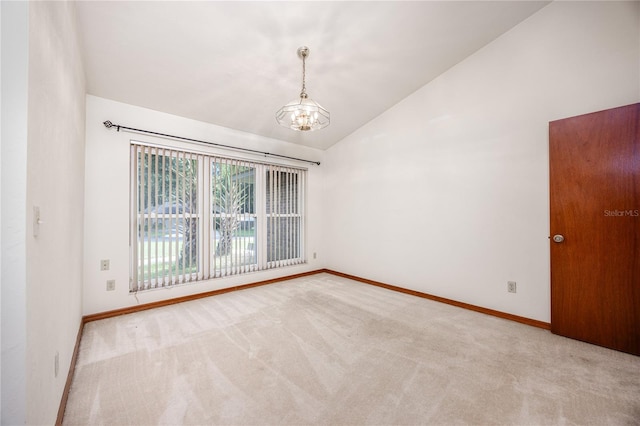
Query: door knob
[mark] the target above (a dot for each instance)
(558, 238)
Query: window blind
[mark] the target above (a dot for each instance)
(196, 216)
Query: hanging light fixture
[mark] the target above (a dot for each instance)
(303, 114)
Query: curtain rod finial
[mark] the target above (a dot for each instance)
(108, 124)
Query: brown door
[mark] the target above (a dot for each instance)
(595, 227)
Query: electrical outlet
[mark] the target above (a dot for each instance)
(314, 255)
(56, 364)
(104, 265)
(511, 286)
(111, 285)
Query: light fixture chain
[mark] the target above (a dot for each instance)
(304, 76)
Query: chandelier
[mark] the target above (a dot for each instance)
(303, 114)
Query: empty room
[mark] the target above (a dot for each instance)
(320, 212)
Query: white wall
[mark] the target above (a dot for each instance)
(15, 38)
(0, 217)
(447, 192)
(107, 199)
(55, 183)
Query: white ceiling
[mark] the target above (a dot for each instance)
(234, 64)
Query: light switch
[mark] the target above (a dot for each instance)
(36, 221)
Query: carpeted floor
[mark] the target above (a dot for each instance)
(326, 350)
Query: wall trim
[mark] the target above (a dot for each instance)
(173, 301)
(146, 306)
(499, 314)
(72, 369)
(487, 311)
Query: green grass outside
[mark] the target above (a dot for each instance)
(168, 254)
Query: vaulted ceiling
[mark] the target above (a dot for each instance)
(234, 63)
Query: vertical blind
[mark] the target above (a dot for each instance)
(196, 216)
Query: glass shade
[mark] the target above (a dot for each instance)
(303, 114)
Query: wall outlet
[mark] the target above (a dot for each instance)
(511, 286)
(111, 285)
(314, 255)
(56, 364)
(104, 265)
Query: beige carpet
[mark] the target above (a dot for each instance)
(327, 350)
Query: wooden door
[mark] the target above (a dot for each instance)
(595, 207)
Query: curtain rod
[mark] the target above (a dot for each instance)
(108, 124)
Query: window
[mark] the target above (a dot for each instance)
(196, 217)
